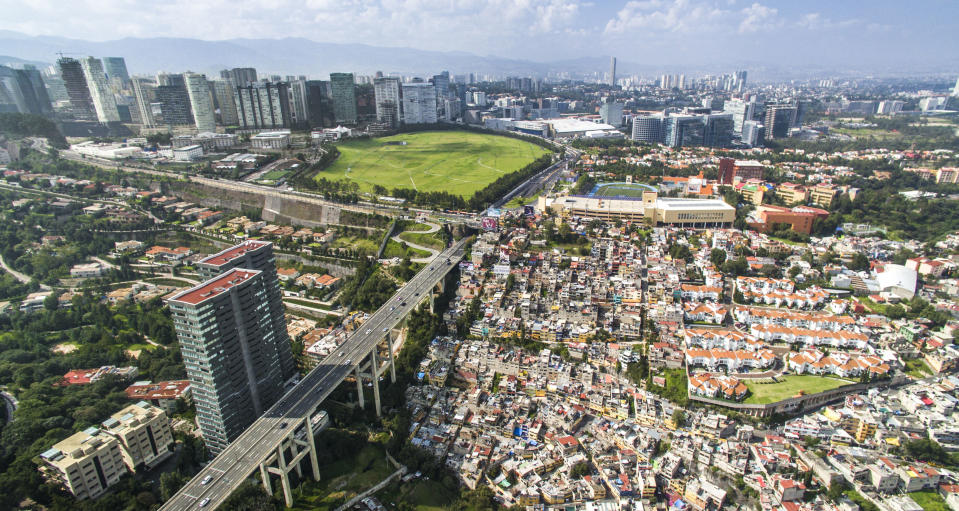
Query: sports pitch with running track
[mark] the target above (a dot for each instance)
(457, 162)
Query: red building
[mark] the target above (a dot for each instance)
(800, 218)
(730, 169)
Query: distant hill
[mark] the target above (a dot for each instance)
(6, 60)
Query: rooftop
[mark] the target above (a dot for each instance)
(221, 258)
(215, 286)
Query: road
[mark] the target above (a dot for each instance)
(432, 228)
(534, 183)
(242, 457)
(10, 402)
(19, 276)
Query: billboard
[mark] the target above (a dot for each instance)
(489, 223)
(529, 211)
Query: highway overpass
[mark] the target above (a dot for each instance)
(277, 443)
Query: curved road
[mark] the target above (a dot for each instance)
(433, 252)
(19, 276)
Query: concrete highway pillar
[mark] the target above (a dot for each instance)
(312, 441)
(266, 479)
(375, 376)
(359, 387)
(392, 361)
(284, 475)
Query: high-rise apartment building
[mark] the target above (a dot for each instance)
(612, 71)
(344, 97)
(81, 104)
(223, 94)
(753, 133)
(740, 81)
(201, 102)
(263, 106)
(256, 255)
(779, 118)
(419, 103)
(116, 69)
(104, 103)
(144, 94)
(240, 76)
(23, 91)
(387, 93)
(228, 342)
(741, 111)
(955, 90)
(299, 110)
(319, 103)
(174, 101)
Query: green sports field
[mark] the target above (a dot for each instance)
(457, 162)
(789, 386)
(621, 190)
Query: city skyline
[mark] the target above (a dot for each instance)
(656, 32)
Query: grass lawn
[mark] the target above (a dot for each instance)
(929, 500)
(918, 368)
(394, 249)
(423, 495)
(273, 175)
(457, 162)
(424, 239)
(167, 281)
(368, 245)
(141, 346)
(789, 386)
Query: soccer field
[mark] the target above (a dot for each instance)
(621, 190)
(789, 386)
(457, 162)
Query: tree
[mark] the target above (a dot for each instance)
(679, 417)
(717, 257)
(170, 483)
(249, 497)
(859, 262)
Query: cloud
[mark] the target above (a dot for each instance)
(758, 18)
(816, 21)
(687, 16)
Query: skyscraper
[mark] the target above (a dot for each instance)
(442, 84)
(683, 130)
(741, 110)
(319, 103)
(955, 90)
(116, 68)
(223, 95)
(779, 118)
(22, 90)
(740, 85)
(241, 76)
(174, 100)
(227, 340)
(201, 104)
(612, 71)
(718, 131)
(387, 93)
(81, 104)
(611, 112)
(144, 94)
(298, 106)
(233, 339)
(256, 255)
(419, 103)
(344, 97)
(103, 101)
(263, 105)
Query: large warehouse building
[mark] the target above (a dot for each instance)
(700, 213)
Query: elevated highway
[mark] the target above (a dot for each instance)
(277, 442)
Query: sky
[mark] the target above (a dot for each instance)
(797, 32)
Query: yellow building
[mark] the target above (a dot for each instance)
(682, 212)
(791, 193)
(144, 433)
(823, 195)
(86, 463)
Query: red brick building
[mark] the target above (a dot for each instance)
(799, 218)
(730, 169)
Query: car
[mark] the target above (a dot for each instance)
(342, 353)
(204, 502)
(386, 328)
(206, 480)
(369, 331)
(404, 303)
(348, 361)
(283, 425)
(416, 293)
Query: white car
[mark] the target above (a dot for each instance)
(206, 480)
(204, 502)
